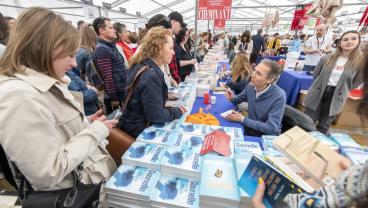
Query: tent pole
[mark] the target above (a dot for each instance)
(195, 29)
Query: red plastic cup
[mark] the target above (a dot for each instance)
(206, 98)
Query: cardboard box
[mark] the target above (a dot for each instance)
(300, 107)
(302, 94)
(351, 119)
(349, 116)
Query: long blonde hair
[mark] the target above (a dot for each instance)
(88, 38)
(152, 44)
(240, 67)
(39, 37)
(355, 57)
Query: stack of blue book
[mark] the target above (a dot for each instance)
(182, 162)
(174, 192)
(323, 138)
(218, 183)
(241, 162)
(131, 186)
(343, 139)
(253, 147)
(196, 129)
(144, 154)
(234, 133)
(269, 149)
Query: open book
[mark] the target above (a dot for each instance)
(314, 157)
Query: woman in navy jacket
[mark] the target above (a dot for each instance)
(146, 105)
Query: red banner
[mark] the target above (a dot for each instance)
(214, 9)
(219, 23)
(300, 17)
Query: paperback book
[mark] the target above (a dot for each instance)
(356, 155)
(144, 154)
(133, 182)
(294, 173)
(277, 184)
(182, 162)
(156, 136)
(218, 183)
(269, 149)
(234, 133)
(241, 163)
(344, 140)
(167, 126)
(241, 147)
(323, 138)
(196, 129)
(311, 155)
(171, 191)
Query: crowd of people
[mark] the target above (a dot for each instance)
(59, 82)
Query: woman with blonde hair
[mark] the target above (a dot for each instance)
(43, 129)
(334, 76)
(240, 73)
(87, 46)
(147, 103)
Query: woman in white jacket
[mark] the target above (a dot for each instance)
(43, 128)
(245, 44)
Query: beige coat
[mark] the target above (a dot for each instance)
(45, 132)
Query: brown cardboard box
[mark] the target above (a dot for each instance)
(302, 94)
(349, 116)
(300, 107)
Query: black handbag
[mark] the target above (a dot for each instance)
(78, 196)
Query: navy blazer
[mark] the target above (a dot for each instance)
(146, 105)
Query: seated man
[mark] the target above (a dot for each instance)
(266, 101)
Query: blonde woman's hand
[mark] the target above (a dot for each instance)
(97, 116)
(110, 123)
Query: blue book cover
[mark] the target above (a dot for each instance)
(356, 155)
(183, 140)
(241, 147)
(155, 136)
(191, 142)
(219, 181)
(241, 163)
(133, 181)
(183, 162)
(269, 149)
(144, 154)
(196, 129)
(323, 138)
(255, 139)
(175, 192)
(277, 184)
(344, 139)
(168, 126)
(234, 133)
(268, 141)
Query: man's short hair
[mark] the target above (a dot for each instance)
(259, 31)
(99, 23)
(275, 69)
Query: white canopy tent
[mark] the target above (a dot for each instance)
(246, 14)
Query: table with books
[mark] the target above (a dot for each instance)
(166, 166)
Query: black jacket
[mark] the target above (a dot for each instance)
(147, 102)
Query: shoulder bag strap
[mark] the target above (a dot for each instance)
(131, 87)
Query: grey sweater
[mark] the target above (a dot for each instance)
(265, 112)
